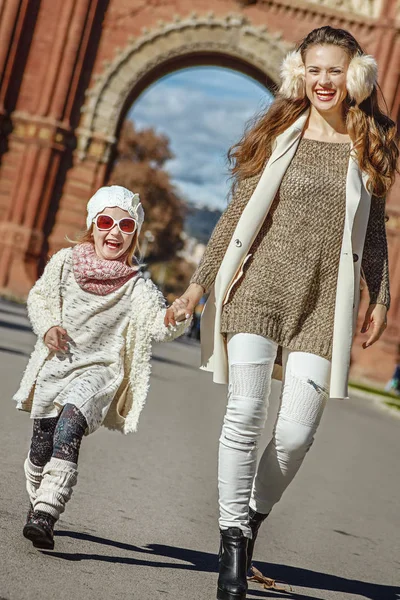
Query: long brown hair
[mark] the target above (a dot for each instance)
(370, 129)
(87, 236)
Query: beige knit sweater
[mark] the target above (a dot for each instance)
(288, 289)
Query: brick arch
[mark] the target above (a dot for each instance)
(230, 41)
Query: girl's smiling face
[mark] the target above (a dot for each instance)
(110, 245)
(326, 70)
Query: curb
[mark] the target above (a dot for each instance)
(378, 400)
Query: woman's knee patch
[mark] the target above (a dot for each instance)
(250, 380)
(303, 400)
(247, 405)
(304, 365)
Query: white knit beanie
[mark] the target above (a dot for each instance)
(115, 195)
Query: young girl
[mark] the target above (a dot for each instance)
(95, 317)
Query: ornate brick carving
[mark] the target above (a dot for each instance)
(44, 130)
(365, 8)
(231, 35)
(361, 8)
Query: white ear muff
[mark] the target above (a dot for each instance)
(293, 76)
(362, 76)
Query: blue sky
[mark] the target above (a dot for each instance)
(203, 111)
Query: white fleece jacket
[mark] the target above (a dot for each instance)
(146, 324)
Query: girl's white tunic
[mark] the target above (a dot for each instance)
(90, 373)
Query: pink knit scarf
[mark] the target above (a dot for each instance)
(97, 275)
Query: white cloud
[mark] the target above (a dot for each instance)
(203, 111)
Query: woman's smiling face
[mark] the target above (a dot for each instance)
(112, 244)
(325, 72)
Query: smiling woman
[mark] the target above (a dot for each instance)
(202, 110)
(283, 270)
(326, 76)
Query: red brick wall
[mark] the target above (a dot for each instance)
(51, 52)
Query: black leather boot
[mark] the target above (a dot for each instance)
(255, 520)
(232, 580)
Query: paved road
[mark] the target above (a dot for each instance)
(142, 522)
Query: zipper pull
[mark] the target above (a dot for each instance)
(317, 388)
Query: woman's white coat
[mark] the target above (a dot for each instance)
(358, 202)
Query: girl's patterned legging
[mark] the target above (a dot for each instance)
(58, 437)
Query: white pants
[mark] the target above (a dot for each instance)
(304, 395)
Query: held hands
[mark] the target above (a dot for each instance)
(56, 339)
(176, 312)
(375, 319)
(182, 308)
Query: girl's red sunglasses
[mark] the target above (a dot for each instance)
(106, 223)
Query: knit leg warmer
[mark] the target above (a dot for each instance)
(33, 476)
(59, 477)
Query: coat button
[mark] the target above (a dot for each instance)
(355, 257)
(238, 243)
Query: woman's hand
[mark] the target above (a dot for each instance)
(185, 305)
(178, 308)
(56, 339)
(176, 312)
(375, 317)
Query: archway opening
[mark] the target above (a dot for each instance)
(172, 149)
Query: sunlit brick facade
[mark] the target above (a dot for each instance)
(70, 70)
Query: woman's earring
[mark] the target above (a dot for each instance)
(293, 73)
(361, 77)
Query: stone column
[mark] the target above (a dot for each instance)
(388, 55)
(39, 147)
(42, 141)
(17, 21)
(82, 180)
(12, 19)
